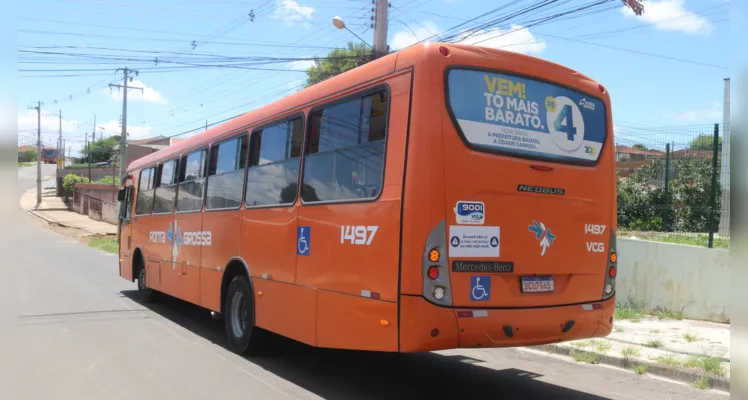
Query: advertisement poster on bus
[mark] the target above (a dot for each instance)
(528, 117)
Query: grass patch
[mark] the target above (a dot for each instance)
(585, 357)
(655, 331)
(602, 346)
(618, 330)
(699, 240)
(25, 164)
(690, 337)
(105, 244)
(630, 351)
(708, 364)
(640, 369)
(631, 310)
(669, 314)
(654, 343)
(581, 344)
(669, 360)
(703, 382)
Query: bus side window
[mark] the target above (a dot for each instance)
(345, 156)
(273, 175)
(226, 175)
(191, 182)
(144, 204)
(166, 188)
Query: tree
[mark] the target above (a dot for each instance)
(640, 147)
(27, 156)
(705, 142)
(337, 62)
(101, 150)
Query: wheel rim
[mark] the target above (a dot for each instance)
(239, 320)
(141, 279)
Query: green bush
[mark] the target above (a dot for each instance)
(108, 180)
(27, 156)
(69, 181)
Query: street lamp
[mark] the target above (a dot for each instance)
(340, 24)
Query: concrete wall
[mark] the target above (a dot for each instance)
(675, 277)
(97, 201)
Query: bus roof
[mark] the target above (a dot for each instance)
(360, 75)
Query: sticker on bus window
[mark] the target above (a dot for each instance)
(470, 212)
(526, 117)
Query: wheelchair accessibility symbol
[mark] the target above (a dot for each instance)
(480, 288)
(303, 241)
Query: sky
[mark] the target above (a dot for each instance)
(662, 69)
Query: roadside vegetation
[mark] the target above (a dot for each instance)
(631, 310)
(104, 243)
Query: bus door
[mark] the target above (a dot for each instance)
(529, 191)
(188, 223)
(222, 218)
(125, 198)
(167, 241)
(269, 229)
(348, 234)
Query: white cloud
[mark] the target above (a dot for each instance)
(408, 37)
(290, 11)
(135, 132)
(148, 95)
(50, 123)
(713, 113)
(671, 15)
(301, 65)
(516, 38)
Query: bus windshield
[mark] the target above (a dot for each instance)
(522, 117)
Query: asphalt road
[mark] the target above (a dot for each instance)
(81, 335)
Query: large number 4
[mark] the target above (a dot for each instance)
(565, 122)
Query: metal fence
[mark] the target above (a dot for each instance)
(673, 184)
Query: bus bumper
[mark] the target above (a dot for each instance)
(481, 328)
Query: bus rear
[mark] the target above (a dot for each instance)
(522, 249)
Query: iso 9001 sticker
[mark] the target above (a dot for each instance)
(470, 212)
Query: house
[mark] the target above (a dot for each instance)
(140, 148)
(629, 159)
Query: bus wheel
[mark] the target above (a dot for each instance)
(146, 294)
(243, 336)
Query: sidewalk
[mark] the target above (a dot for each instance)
(54, 211)
(695, 352)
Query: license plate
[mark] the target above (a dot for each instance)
(537, 284)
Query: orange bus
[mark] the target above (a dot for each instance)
(444, 196)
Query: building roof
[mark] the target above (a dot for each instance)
(632, 150)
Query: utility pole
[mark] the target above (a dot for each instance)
(88, 157)
(206, 124)
(724, 221)
(93, 138)
(380, 28)
(123, 138)
(38, 109)
(59, 144)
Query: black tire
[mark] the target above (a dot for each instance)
(145, 293)
(238, 316)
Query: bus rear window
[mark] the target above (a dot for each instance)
(527, 118)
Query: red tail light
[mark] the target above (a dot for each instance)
(433, 272)
(612, 272)
(444, 51)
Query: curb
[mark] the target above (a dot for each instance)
(666, 371)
